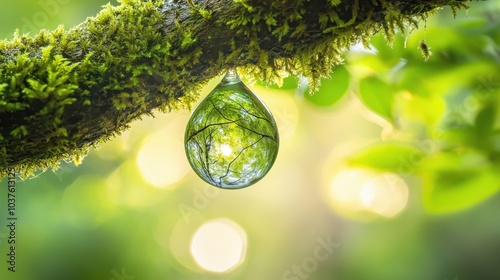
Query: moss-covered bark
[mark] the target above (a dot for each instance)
(62, 92)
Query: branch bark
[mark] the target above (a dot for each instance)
(62, 92)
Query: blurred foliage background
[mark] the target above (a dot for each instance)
(390, 171)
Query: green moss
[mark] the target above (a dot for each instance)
(46, 79)
(65, 91)
(425, 50)
(314, 61)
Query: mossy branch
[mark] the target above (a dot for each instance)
(62, 92)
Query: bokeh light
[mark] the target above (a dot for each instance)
(219, 245)
(160, 160)
(388, 194)
(356, 191)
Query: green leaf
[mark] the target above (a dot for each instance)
(454, 182)
(331, 90)
(485, 120)
(428, 110)
(378, 96)
(392, 157)
(465, 190)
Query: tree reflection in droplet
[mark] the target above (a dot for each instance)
(231, 138)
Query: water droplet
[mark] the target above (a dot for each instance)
(231, 138)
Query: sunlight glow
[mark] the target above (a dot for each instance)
(390, 195)
(226, 150)
(219, 245)
(368, 194)
(355, 190)
(160, 161)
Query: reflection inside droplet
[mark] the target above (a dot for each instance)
(231, 138)
(226, 150)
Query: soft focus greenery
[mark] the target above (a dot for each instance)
(394, 159)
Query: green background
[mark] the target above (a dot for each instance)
(416, 145)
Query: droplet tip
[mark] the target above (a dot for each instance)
(232, 76)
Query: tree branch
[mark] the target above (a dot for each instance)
(62, 92)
